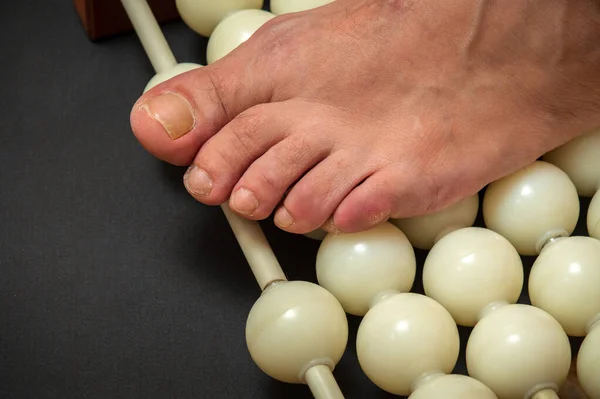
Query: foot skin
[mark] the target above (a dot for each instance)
(361, 110)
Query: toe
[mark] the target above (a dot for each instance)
(225, 157)
(383, 195)
(264, 184)
(312, 201)
(174, 119)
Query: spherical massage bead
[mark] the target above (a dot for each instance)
(580, 160)
(357, 267)
(593, 217)
(403, 337)
(279, 7)
(202, 16)
(234, 30)
(517, 350)
(513, 349)
(531, 206)
(452, 386)
(294, 326)
(471, 268)
(424, 231)
(171, 73)
(588, 363)
(565, 282)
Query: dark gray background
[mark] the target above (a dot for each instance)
(114, 283)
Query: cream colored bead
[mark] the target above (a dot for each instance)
(471, 268)
(279, 7)
(517, 350)
(202, 16)
(593, 217)
(404, 337)
(531, 206)
(452, 386)
(233, 31)
(171, 73)
(424, 231)
(580, 159)
(588, 363)
(357, 267)
(565, 282)
(293, 326)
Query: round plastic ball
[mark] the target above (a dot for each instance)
(357, 267)
(279, 7)
(532, 205)
(517, 348)
(565, 282)
(593, 217)
(202, 16)
(452, 386)
(579, 159)
(471, 268)
(588, 364)
(233, 31)
(171, 73)
(423, 231)
(403, 337)
(293, 326)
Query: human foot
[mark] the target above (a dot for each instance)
(360, 110)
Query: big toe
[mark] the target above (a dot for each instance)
(175, 118)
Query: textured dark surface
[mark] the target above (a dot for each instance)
(114, 283)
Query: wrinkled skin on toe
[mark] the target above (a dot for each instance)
(361, 110)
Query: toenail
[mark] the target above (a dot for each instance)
(173, 112)
(244, 202)
(197, 181)
(283, 218)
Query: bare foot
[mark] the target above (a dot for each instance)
(371, 109)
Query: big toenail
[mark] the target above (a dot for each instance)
(283, 218)
(197, 182)
(244, 202)
(173, 112)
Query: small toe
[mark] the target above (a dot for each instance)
(225, 157)
(383, 195)
(312, 201)
(264, 184)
